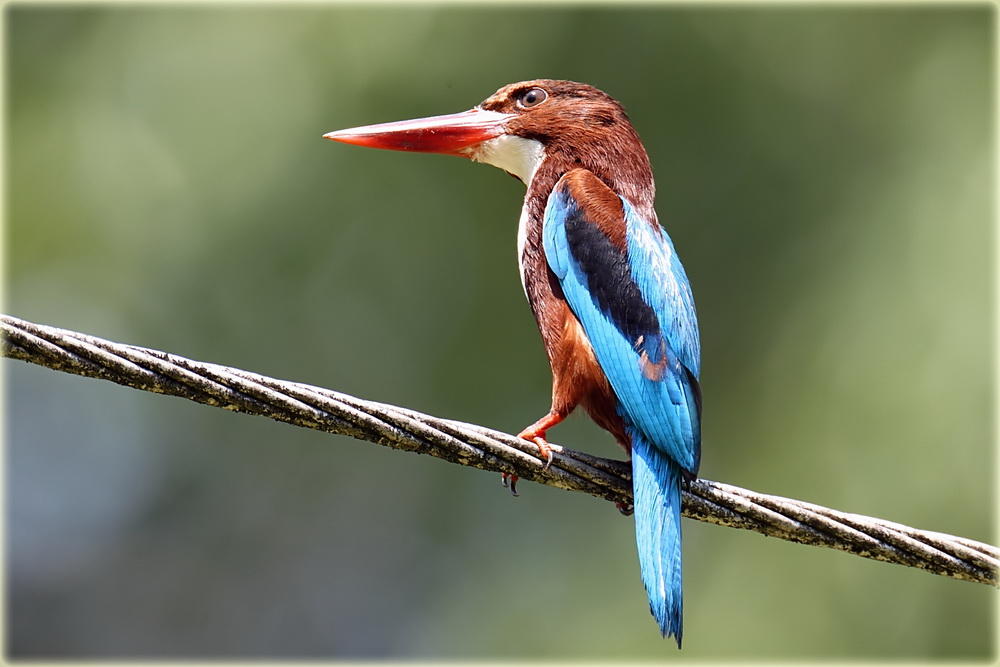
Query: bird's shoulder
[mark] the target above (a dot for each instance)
(596, 203)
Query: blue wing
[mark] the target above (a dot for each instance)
(624, 282)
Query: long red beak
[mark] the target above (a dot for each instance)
(438, 134)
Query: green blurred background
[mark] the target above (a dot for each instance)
(826, 174)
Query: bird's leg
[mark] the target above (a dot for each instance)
(536, 434)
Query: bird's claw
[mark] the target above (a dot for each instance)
(535, 434)
(625, 508)
(544, 451)
(509, 481)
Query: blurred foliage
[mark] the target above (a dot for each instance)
(826, 174)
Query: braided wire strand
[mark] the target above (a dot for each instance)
(487, 449)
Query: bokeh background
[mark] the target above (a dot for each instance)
(825, 172)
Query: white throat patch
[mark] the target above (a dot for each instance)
(516, 155)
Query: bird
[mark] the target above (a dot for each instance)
(607, 289)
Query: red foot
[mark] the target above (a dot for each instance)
(536, 434)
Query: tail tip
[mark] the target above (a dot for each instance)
(670, 625)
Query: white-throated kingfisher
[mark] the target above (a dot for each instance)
(607, 289)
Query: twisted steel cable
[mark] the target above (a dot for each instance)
(486, 449)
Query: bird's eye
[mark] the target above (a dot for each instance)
(531, 98)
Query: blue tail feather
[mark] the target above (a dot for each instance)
(656, 484)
